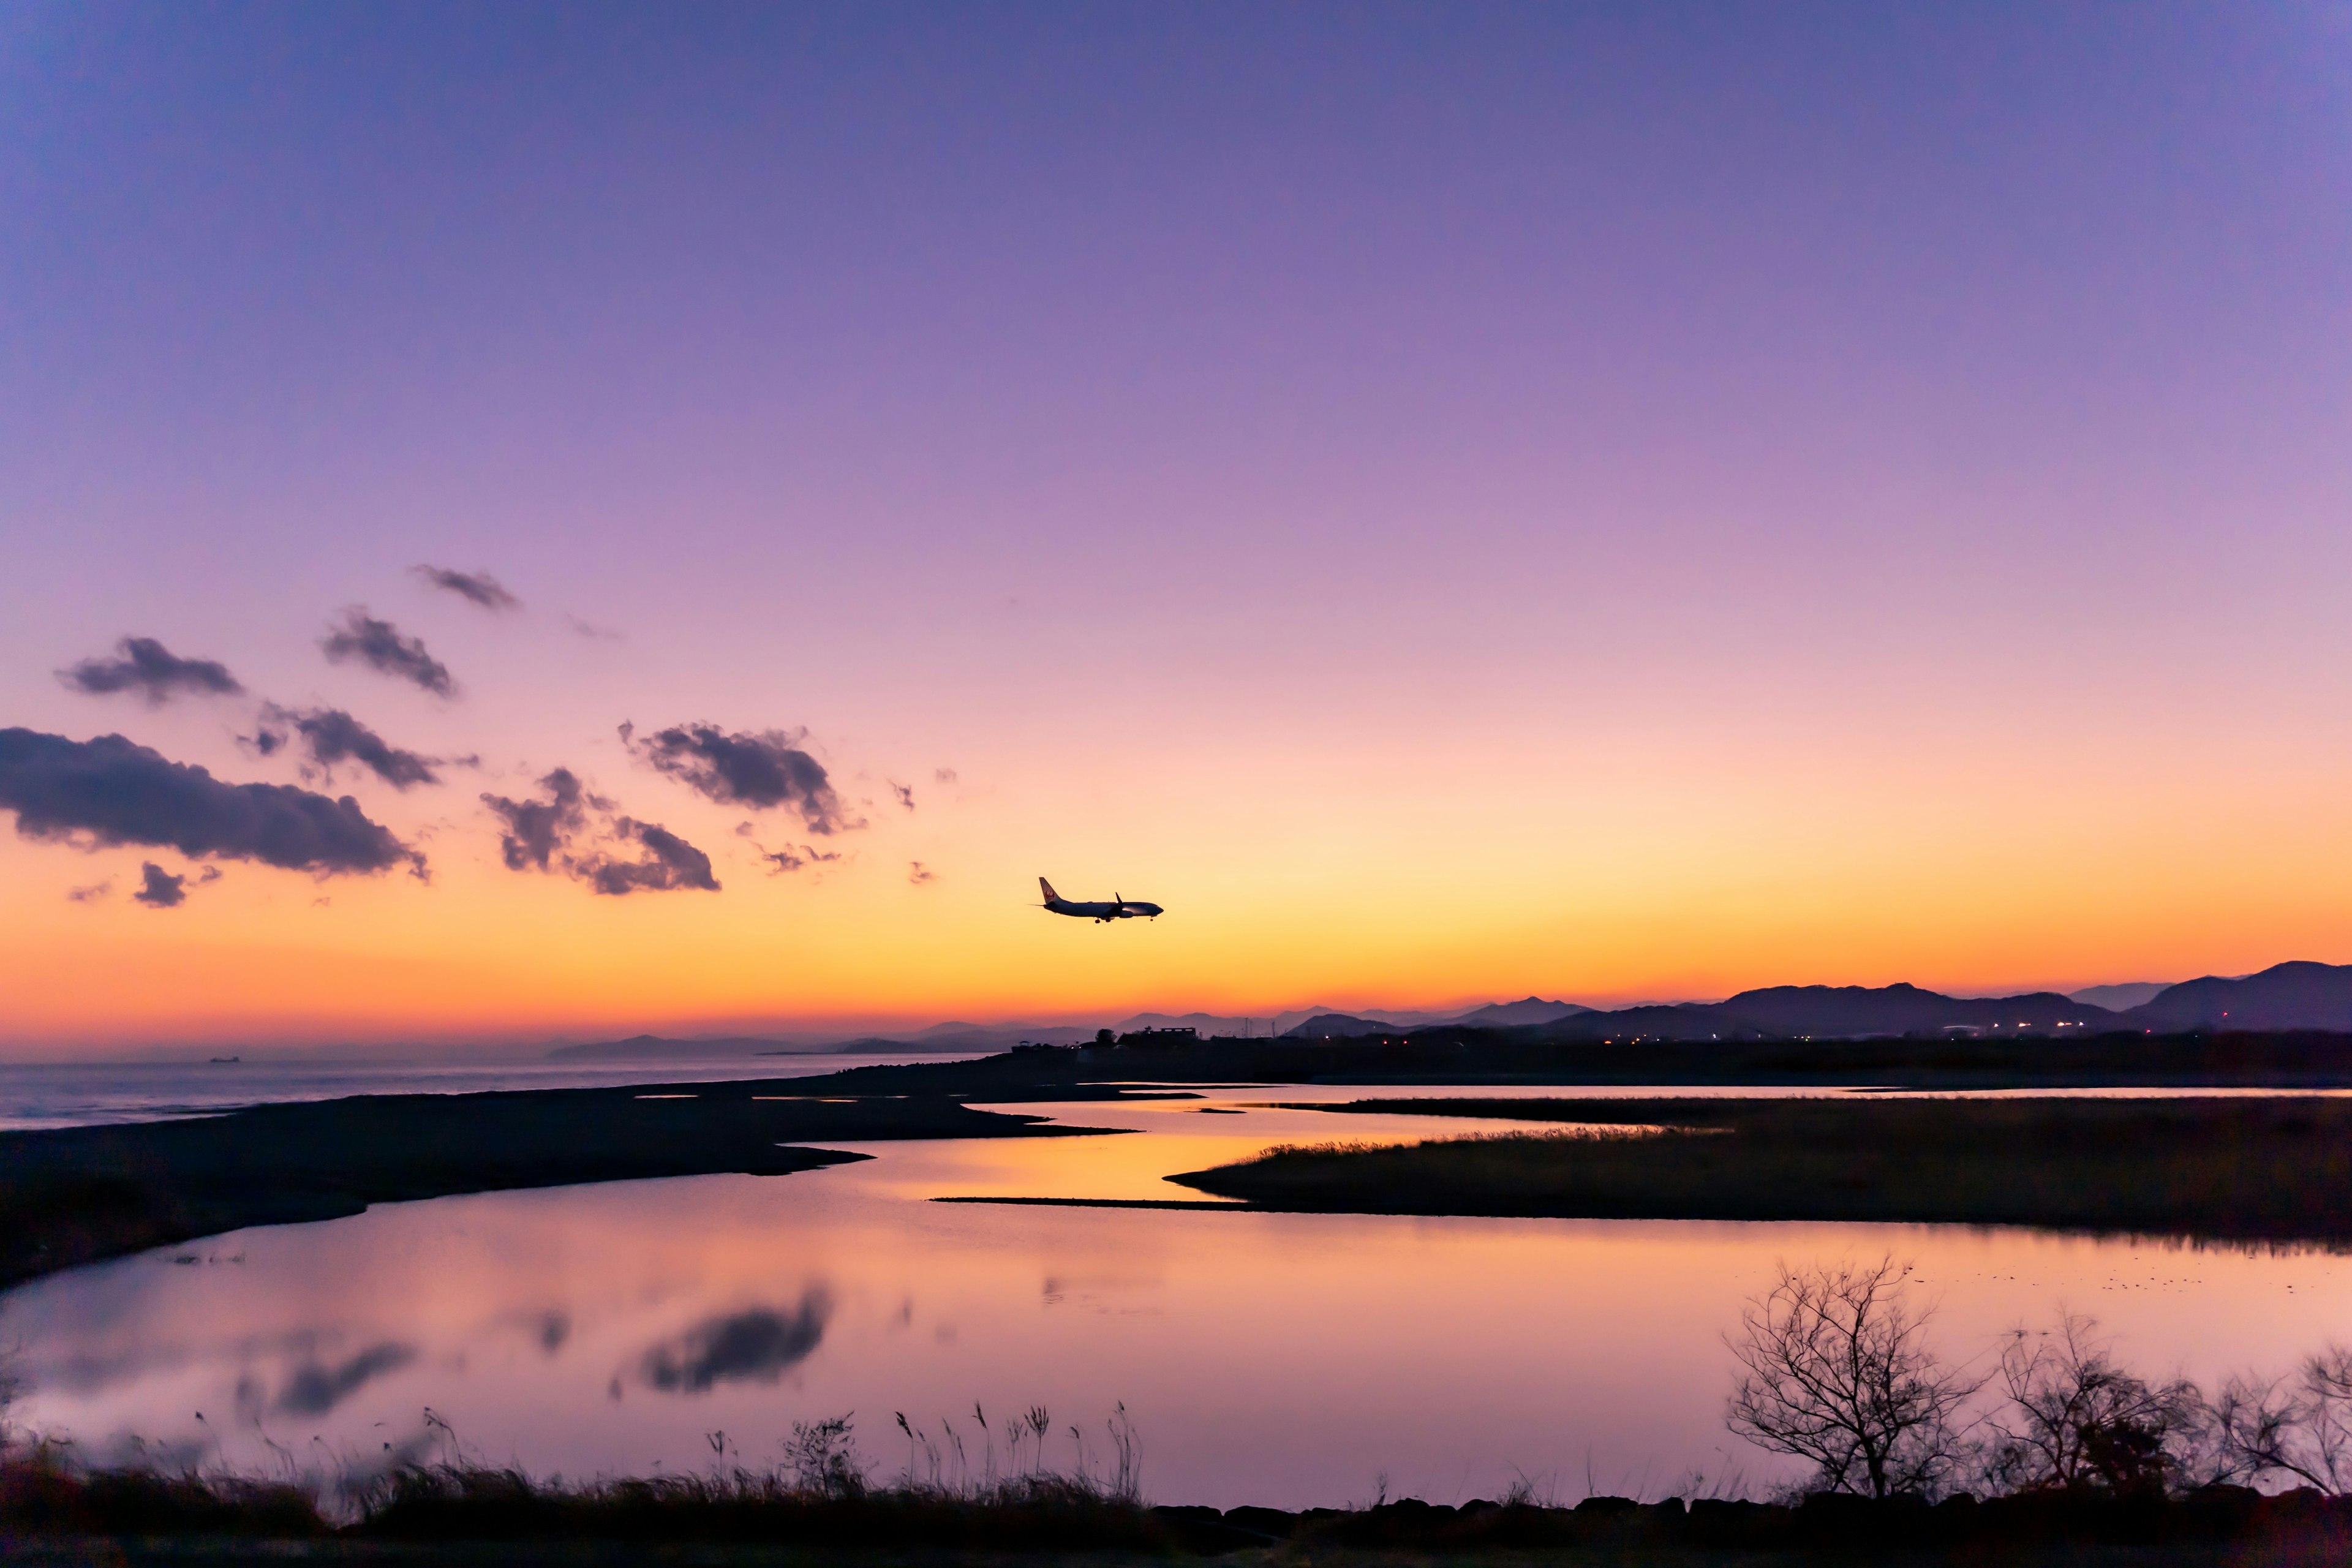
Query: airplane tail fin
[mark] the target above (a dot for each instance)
(1047, 888)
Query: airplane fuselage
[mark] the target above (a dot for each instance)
(1087, 910)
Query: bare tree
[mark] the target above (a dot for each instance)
(2299, 1428)
(2076, 1422)
(1835, 1369)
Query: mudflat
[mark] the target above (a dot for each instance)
(78, 1194)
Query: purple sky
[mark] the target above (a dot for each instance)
(1595, 499)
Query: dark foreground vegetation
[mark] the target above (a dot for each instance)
(81, 1193)
(2249, 1169)
(491, 1519)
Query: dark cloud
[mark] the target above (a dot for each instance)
(380, 645)
(479, 587)
(162, 891)
(592, 630)
(315, 1389)
(906, 793)
(116, 792)
(93, 894)
(540, 835)
(760, 770)
(147, 666)
(760, 1345)
(539, 831)
(919, 873)
(943, 776)
(669, 862)
(333, 736)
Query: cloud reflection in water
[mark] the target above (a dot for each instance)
(315, 1389)
(758, 1345)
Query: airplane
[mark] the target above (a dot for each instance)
(1118, 908)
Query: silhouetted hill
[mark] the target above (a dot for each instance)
(2295, 995)
(1340, 1027)
(1899, 1009)
(1650, 1021)
(1516, 1015)
(1833, 1012)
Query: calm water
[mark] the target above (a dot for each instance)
(84, 1094)
(1278, 1359)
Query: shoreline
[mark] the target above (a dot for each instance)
(75, 1196)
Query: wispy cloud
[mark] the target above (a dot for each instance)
(794, 857)
(333, 736)
(476, 588)
(147, 666)
(381, 647)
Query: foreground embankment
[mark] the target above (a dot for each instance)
(2267, 1169)
(486, 1517)
(77, 1195)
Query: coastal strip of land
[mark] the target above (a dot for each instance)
(1450, 1055)
(2239, 1169)
(74, 1195)
(79, 1194)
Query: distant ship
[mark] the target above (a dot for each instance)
(217, 1060)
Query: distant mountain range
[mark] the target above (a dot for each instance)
(2298, 996)
(1491, 1015)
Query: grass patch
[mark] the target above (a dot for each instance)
(2276, 1170)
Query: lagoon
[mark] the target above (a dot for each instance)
(1289, 1359)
